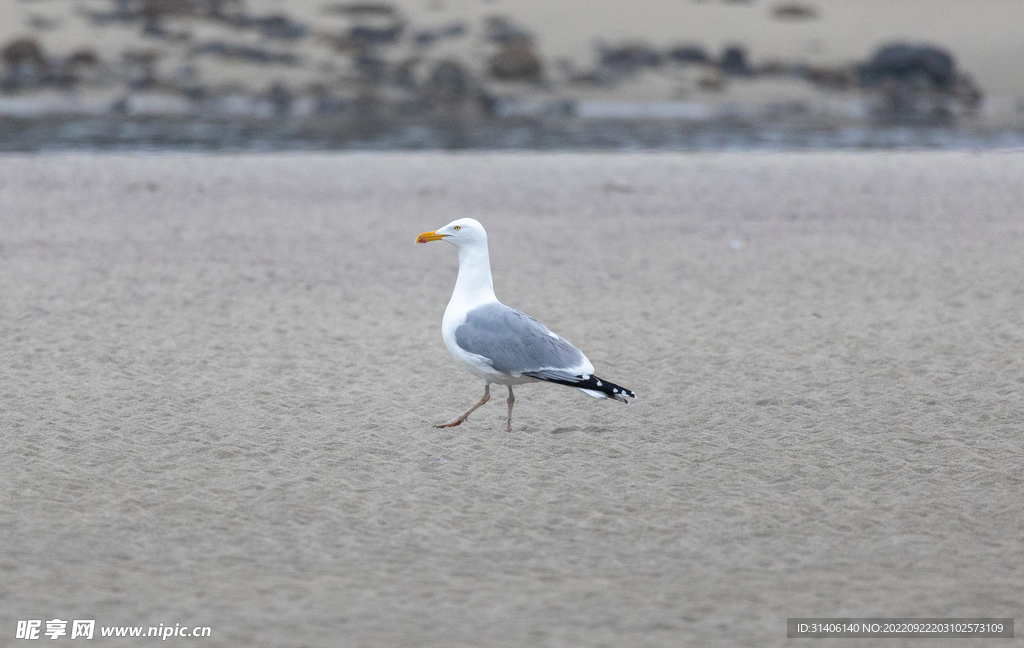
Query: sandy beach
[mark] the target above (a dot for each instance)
(220, 373)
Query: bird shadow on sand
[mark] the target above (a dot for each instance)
(590, 429)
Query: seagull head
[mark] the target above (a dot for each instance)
(465, 231)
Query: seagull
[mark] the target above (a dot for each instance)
(500, 344)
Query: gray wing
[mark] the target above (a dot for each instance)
(514, 342)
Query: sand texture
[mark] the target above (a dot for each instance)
(219, 376)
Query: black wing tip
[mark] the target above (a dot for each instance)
(610, 389)
(593, 383)
(619, 394)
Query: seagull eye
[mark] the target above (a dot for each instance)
(457, 228)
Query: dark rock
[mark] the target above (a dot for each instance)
(916, 83)
(734, 61)
(280, 99)
(794, 11)
(84, 57)
(515, 62)
(688, 54)
(629, 57)
(23, 51)
(501, 30)
(404, 74)
(449, 81)
(910, 64)
(364, 9)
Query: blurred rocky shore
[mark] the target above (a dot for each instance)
(219, 74)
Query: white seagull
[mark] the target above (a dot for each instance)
(500, 344)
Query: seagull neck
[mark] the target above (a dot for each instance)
(474, 284)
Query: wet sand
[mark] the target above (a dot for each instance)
(219, 376)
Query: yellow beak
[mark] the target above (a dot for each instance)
(427, 237)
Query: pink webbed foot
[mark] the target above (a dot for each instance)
(458, 420)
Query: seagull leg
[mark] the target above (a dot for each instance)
(511, 401)
(460, 419)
